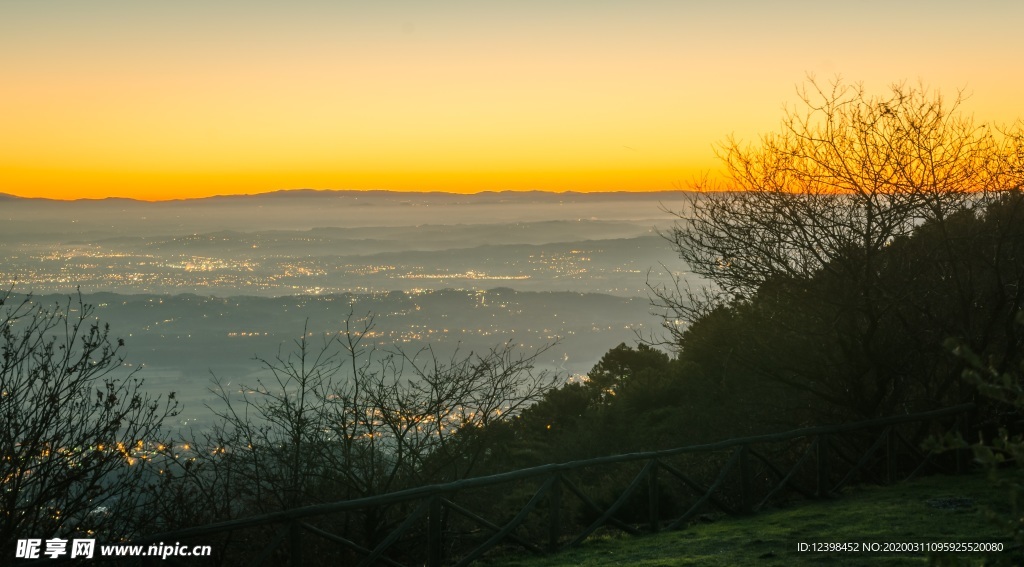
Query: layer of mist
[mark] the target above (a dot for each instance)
(199, 288)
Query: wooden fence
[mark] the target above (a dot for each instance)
(551, 507)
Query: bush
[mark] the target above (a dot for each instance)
(338, 419)
(76, 428)
(1004, 447)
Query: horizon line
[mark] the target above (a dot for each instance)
(325, 192)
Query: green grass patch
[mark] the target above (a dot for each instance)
(935, 509)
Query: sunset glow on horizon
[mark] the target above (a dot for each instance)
(179, 100)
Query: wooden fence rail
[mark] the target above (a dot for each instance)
(743, 476)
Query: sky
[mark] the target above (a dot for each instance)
(161, 100)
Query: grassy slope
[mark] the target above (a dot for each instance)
(900, 513)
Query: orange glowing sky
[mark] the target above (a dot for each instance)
(184, 99)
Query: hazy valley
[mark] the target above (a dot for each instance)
(199, 288)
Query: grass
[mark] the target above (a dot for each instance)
(933, 509)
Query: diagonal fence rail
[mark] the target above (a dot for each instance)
(458, 522)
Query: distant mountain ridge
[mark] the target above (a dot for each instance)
(88, 220)
(386, 195)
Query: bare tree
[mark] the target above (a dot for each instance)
(807, 245)
(339, 418)
(847, 172)
(76, 429)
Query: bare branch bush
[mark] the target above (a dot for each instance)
(76, 428)
(340, 418)
(849, 244)
(847, 171)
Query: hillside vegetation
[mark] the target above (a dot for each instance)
(937, 509)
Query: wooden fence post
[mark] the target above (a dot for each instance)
(960, 432)
(746, 490)
(890, 455)
(295, 542)
(654, 497)
(555, 513)
(434, 551)
(823, 468)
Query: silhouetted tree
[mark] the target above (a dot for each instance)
(806, 248)
(337, 419)
(76, 429)
(839, 181)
